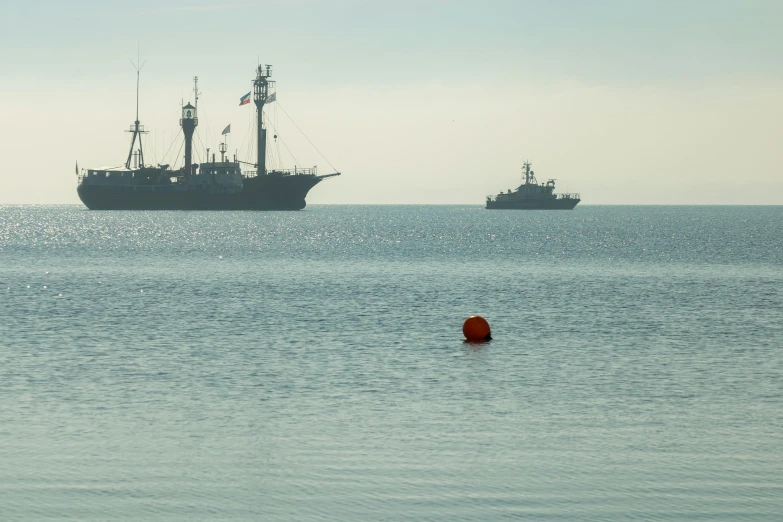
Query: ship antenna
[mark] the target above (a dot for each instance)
(136, 129)
(195, 92)
(138, 70)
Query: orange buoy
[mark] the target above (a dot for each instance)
(476, 328)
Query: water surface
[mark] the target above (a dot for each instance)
(309, 365)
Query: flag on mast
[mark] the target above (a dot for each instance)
(271, 98)
(226, 130)
(244, 100)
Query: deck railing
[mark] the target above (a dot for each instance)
(296, 171)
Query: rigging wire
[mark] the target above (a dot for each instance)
(277, 145)
(167, 151)
(303, 134)
(154, 148)
(202, 147)
(178, 152)
(270, 151)
(149, 151)
(252, 133)
(270, 157)
(205, 120)
(241, 145)
(296, 162)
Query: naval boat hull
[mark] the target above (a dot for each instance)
(533, 204)
(268, 192)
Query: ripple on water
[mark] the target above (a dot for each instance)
(310, 365)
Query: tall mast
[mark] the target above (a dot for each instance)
(136, 128)
(529, 176)
(261, 86)
(195, 91)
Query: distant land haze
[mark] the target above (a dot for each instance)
(435, 102)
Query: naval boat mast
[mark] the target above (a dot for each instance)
(261, 86)
(530, 177)
(136, 129)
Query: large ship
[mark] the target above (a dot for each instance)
(532, 195)
(211, 185)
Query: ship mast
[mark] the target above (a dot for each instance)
(260, 94)
(136, 129)
(195, 91)
(530, 176)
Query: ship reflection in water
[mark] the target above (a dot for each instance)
(213, 185)
(532, 195)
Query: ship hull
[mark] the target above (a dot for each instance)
(258, 193)
(533, 204)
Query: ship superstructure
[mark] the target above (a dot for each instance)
(211, 185)
(532, 195)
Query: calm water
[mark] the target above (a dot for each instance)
(309, 365)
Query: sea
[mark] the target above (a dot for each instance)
(311, 365)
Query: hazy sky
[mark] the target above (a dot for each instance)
(425, 101)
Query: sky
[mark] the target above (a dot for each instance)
(414, 102)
